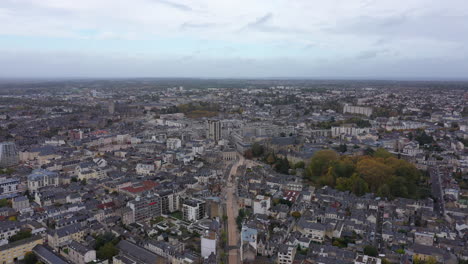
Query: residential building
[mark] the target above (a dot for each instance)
(9, 154)
(193, 209)
(424, 238)
(40, 178)
(12, 252)
(20, 203)
(80, 254)
(286, 254)
(145, 208)
(364, 259)
(367, 111)
(261, 204)
(9, 187)
(208, 244)
(214, 130)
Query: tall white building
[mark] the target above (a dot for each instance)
(214, 130)
(9, 154)
(367, 111)
(193, 210)
(208, 244)
(261, 204)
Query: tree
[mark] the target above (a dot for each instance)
(424, 139)
(359, 185)
(344, 184)
(299, 165)
(248, 154)
(343, 148)
(257, 150)
(344, 167)
(369, 151)
(107, 251)
(320, 163)
(282, 165)
(384, 191)
(296, 214)
(382, 153)
(271, 158)
(4, 202)
(374, 172)
(20, 235)
(329, 178)
(30, 258)
(371, 251)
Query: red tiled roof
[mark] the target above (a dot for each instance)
(147, 185)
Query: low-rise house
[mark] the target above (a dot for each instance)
(20, 203)
(80, 254)
(63, 236)
(314, 231)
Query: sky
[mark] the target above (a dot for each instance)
(376, 39)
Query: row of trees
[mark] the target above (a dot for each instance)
(258, 151)
(381, 173)
(354, 120)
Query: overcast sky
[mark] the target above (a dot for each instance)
(235, 38)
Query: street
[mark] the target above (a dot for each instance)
(232, 210)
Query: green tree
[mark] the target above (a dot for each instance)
(344, 184)
(4, 202)
(299, 165)
(320, 163)
(382, 153)
(30, 258)
(257, 150)
(374, 172)
(296, 214)
(344, 167)
(328, 178)
(107, 251)
(384, 191)
(360, 186)
(20, 235)
(371, 251)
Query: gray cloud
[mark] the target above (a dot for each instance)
(263, 24)
(434, 26)
(190, 26)
(261, 21)
(370, 54)
(174, 5)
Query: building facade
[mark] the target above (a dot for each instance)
(9, 155)
(214, 130)
(12, 252)
(146, 207)
(193, 210)
(40, 178)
